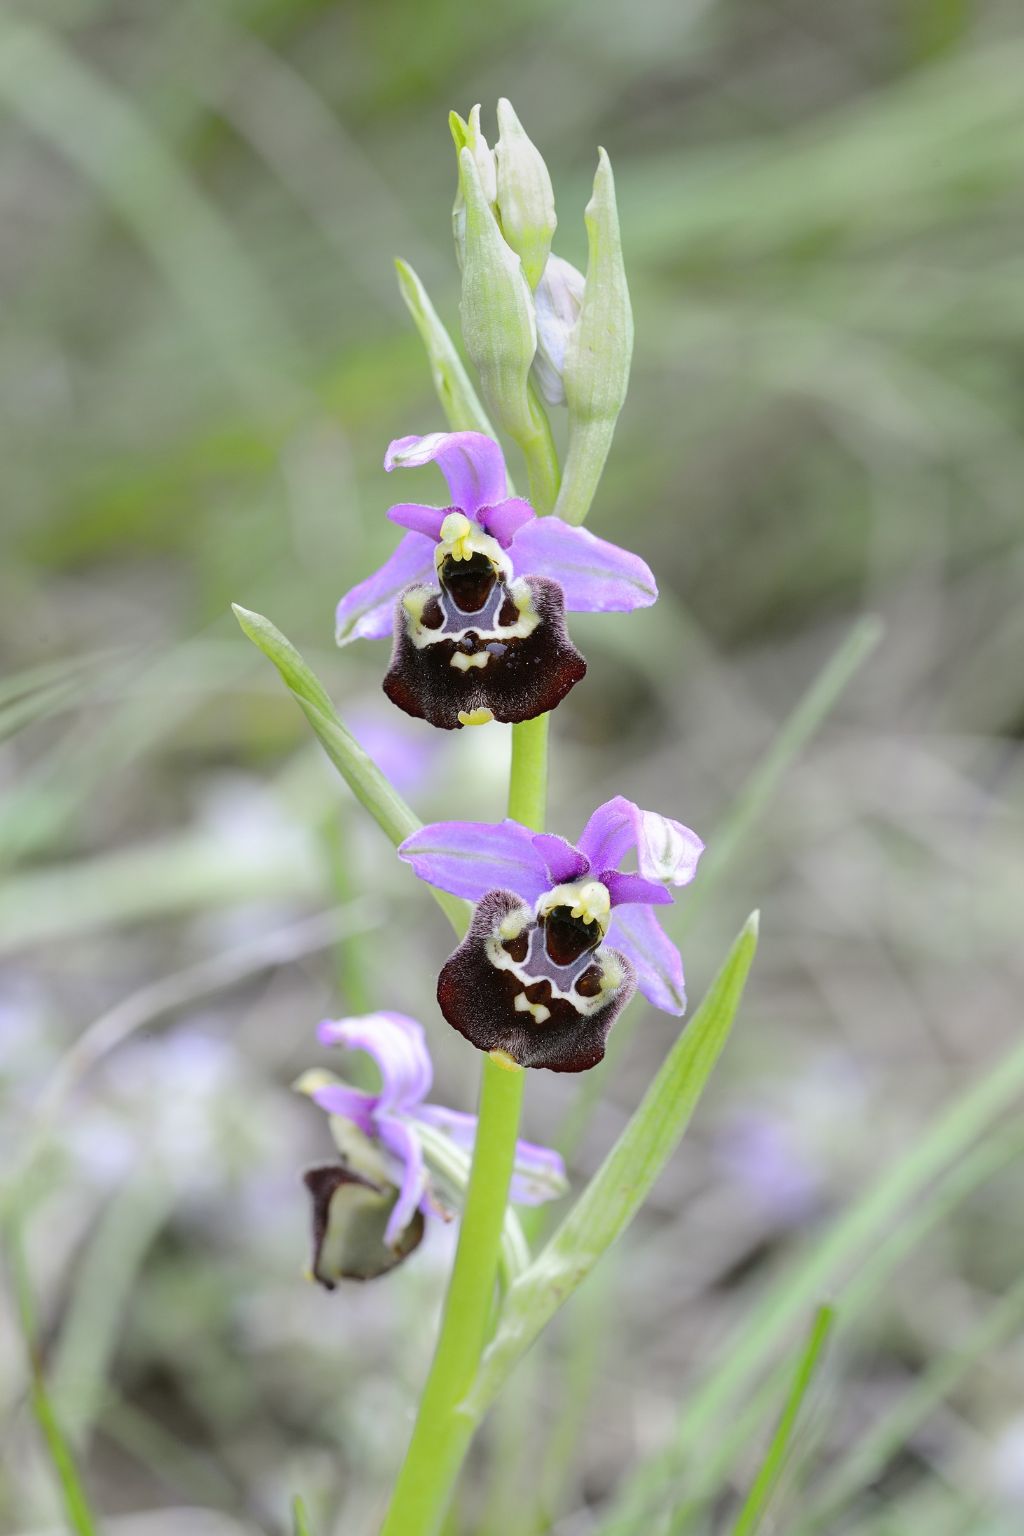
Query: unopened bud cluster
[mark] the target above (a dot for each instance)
(532, 324)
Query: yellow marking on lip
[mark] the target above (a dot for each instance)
(503, 1060)
(462, 663)
(540, 1013)
(475, 717)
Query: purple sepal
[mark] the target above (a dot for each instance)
(471, 463)
(470, 858)
(659, 968)
(595, 576)
(398, 1046)
(368, 611)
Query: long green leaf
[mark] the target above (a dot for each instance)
(767, 1479)
(622, 1183)
(76, 1505)
(459, 400)
(357, 768)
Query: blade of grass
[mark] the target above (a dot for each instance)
(300, 1520)
(76, 1504)
(373, 791)
(708, 1466)
(622, 1183)
(870, 1456)
(857, 1230)
(797, 731)
(101, 132)
(766, 1481)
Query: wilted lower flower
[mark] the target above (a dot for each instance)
(476, 593)
(369, 1206)
(560, 937)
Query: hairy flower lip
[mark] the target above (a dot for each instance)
(538, 1020)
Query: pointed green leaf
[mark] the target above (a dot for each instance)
(622, 1183)
(459, 400)
(597, 354)
(357, 768)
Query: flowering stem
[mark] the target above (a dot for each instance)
(444, 1426)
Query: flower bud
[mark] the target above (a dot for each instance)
(557, 302)
(597, 354)
(470, 136)
(526, 201)
(496, 309)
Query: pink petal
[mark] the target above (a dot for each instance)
(634, 888)
(404, 1144)
(504, 521)
(426, 520)
(564, 862)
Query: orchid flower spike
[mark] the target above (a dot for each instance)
(394, 1167)
(476, 593)
(560, 937)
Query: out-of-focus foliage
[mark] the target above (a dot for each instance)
(204, 354)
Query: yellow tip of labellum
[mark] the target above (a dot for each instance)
(503, 1060)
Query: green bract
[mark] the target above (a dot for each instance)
(526, 201)
(497, 312)
(598, 353)
(467, 135)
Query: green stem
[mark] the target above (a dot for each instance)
(444, 1426)
(528, 779)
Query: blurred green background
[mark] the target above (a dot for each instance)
(204, 355)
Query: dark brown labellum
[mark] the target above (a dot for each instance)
(545, 991)
(480, 649)
(350, 1213)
